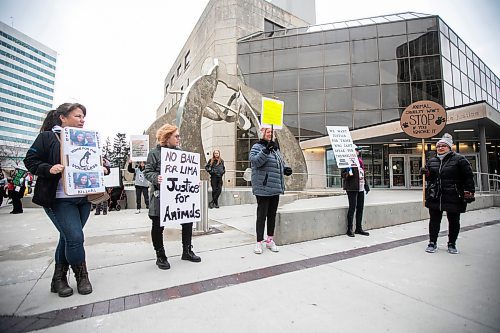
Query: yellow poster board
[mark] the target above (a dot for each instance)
(272, 113)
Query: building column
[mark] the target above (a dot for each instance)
(483, 158)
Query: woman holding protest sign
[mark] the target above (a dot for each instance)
(167, 137)
(268, 168)
(68, 213)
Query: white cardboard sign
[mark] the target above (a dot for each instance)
(343, 147)
(139, 147)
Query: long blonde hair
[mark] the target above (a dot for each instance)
(219, 160)
(164, 133)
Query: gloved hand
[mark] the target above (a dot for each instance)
(423, 171)
(287, 171)
(271, 145)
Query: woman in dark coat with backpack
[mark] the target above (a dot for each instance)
(450, 186)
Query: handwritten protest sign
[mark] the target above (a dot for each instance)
(343, 147)
(272, 113)
(139, 147)
(81, 157)
(180, 188)
(423, 119)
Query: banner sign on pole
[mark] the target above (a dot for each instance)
(180, 188)
(342, 146)
(81, 157)
(139, 147)
(423, 119)
(272, 113)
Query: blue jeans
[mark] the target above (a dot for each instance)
(69, 215)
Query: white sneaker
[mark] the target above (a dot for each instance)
(272, 246)
(138, 211)
(258, 248)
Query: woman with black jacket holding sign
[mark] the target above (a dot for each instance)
(450, 186)
(167, 137)
(68, 213)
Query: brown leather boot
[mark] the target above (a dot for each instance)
(82, 278)
(59, 283)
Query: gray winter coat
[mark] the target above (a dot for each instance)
(267, 171)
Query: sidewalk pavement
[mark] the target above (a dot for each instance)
(382, 283)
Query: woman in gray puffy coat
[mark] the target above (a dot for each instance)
(268, 168)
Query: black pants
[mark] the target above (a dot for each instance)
(216, 183)
(435, 224)
(266, 208)
(144, 191)
(356, 203)
(157, 233)
(17, 206)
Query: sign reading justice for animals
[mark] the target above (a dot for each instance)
(180, 187)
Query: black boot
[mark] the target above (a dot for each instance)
(59, 283)
(161, 260)
(188, 254)
(349, 233)
(82, 278)
(360, 231)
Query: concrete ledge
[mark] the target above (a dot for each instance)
(299, 226)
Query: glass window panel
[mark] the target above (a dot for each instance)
(425, 68)
(454, 55)
(243, 47)
(423, 44)
(337, 76)
(394, 71)
(291, 101)
(336, 54)
(365, 98)
(391, 114)
(461, 45)
(393, 47)
(312, 101)
(443, 28)
(338, 99)
(367, 118)
(365, 74)
(314, 38)
(364, 50)
(422, 25)
(470, 69)
(363, 32)
(311, 78)
(285, 80)
(310, 56)
(292, 122)
(463, 62)
(472, 90)
(477, 76)
(312, 125)
(465, 83)
(453, 37)
(456, 78)
(448, 95)
(475, 59)
(483, 80)
(339, 119)
(445, 47)
(285, 42)
(334, 36)
(468, 52)
(261, 45)
(285, 59)
(427, 90)
(395, 95)
(391, 29)
(262, 82)
(447, 72)
(261, 62)
(244, 63)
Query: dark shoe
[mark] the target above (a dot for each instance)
(59, 283)
(97, 213)
(188, 254)
(431, 248)
(104, 213)
(362, 232)
(216, 205)
(350, 233)
(82, 279)
(210, 205)
(452, 249)
(161, 260)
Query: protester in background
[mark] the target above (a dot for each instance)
(355, 185)
(450, 186)
(102, 206)
(268, 168)
(3, 184)
(215, 167)
(141, 184)
(167, 137)
(68, 213)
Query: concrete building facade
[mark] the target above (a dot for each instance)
(27, 80)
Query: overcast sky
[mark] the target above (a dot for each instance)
(113, 55)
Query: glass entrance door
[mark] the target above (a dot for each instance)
(405, 171)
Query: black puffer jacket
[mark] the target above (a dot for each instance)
(447, 180)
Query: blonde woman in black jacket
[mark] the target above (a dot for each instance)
(215, 167)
